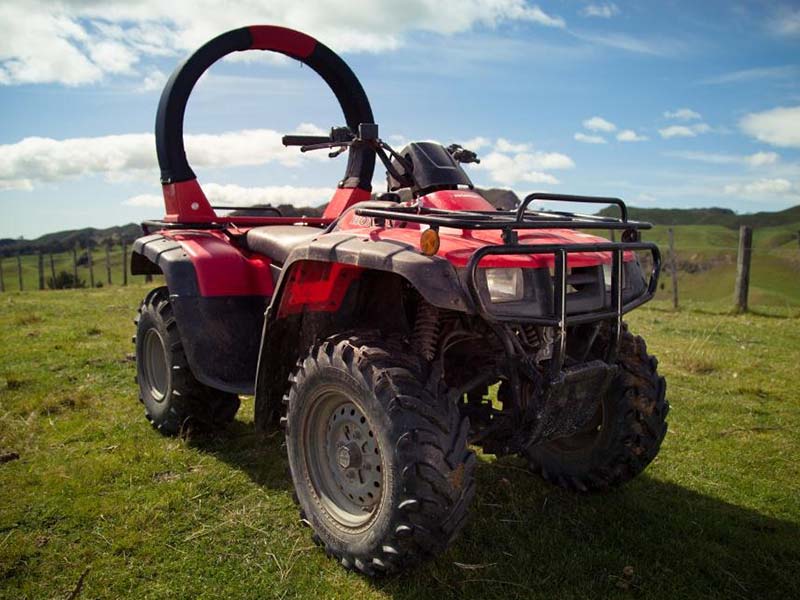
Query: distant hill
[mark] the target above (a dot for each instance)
(62, 241)
(708, 216)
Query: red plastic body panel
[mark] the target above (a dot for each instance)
(317, 286)
(185, 202)
(223, 269)
(280, 39)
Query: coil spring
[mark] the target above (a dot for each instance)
(530, 334)
(426, 330)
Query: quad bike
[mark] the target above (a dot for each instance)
(388, 337)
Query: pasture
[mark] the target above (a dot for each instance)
(99, 505)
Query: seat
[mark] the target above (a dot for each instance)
(277, 241)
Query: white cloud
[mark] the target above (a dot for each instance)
(153, 81)
(77, 42)
(473, 144)
(760, 188)
(589, 139)
(786, 22)
(36, 159)
(683, 114)
(674, 131)
(503, 145)
(511, 163)
(603, 10)
(779, 126)
(599, 124)
(755, 74)
(236, 195)
(758, 159)
(629, 135)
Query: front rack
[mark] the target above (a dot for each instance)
(509, 221)
(521, 218)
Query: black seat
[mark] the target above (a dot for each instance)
(277, 241)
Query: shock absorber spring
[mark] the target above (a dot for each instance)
(426, 330)
(530, 334)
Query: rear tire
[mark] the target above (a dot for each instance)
(626, 436)
(380, 462)
(173, 399)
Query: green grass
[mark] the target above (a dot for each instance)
(97, 491)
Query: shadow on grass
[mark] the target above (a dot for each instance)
(261, 457)
(526, 539)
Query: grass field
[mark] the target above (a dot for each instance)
(97, 492)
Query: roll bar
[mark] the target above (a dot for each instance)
(327, 64)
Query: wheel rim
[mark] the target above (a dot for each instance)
(155, 366)
(343, 460)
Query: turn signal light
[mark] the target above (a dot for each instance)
(429, 242)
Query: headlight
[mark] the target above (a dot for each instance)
(504, 285)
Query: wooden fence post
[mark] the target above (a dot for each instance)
(91, 264)
(19, 271)
(41, 270)
(53, 270)
(75, 264)
(124, 263)
(743, 267)
(673, 267)
(2, 279)
(108, 261)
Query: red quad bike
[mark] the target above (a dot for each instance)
(374, 333)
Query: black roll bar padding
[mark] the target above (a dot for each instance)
(326, 63)
(570, 198)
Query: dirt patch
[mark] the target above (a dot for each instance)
(28, 320)
(61, 405)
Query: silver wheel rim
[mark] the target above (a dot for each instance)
(155, 366)
(343, 460)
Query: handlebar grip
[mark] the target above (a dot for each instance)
(305, 140)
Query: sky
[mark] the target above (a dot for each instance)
(665, 104)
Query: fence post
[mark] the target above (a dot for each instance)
(108, 261)
(124, 263)
(2, 279)
(19, 271)
(53, 269)
(743, 267)
(673, 267)
(91, 264)
(75, 264)
(41, 270)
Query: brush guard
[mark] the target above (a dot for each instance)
(509, 222)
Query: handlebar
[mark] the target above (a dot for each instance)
(305, 140)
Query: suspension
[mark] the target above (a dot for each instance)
(425, 337)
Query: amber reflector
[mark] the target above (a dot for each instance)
(429, 242)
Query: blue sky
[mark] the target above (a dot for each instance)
(665, 104)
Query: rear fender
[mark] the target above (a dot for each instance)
(219, 297)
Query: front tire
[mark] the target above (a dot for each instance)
(173, 399)
(627, 435)
(379, 460)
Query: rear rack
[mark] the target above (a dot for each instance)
(521, 218)
(511, 220)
